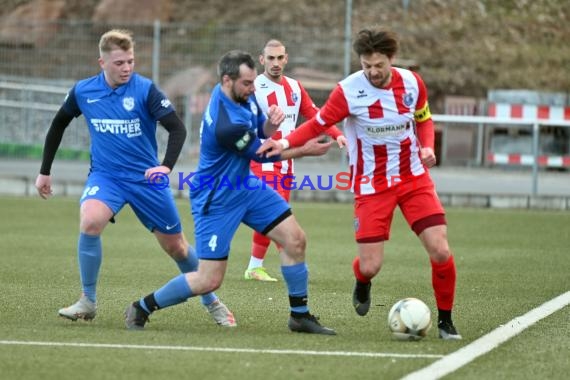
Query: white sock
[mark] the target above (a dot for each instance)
(254, 262)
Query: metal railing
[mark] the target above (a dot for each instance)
(482, 122)
(33, 105)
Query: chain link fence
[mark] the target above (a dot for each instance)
(36, 71)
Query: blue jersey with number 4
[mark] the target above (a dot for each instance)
(229, 137)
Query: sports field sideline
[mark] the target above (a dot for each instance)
(511, 305)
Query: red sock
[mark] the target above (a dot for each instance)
(356, 268)
(443, 281)
(260, 245)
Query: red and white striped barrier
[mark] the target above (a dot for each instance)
(528, 111)
(528, 160)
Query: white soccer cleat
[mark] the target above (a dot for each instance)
(82, 309)
(221, 314)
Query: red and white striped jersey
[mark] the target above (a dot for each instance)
(379, 126)
(293, 99)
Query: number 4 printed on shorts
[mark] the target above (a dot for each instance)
(213, 242)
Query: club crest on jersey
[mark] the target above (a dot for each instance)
(294, 97)
(408, 99)
(129, 103)
(253, 108)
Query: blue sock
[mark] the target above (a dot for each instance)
(190, 264)
(89, 255)
(174, 292)
(297, 279)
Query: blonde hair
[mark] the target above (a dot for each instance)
(116, 38)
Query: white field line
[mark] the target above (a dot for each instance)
(221, 349)
(488, 342)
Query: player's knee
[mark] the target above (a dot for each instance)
(296, 243)
(370, 268)
(91, 226)
(212, 283)
(440, 252)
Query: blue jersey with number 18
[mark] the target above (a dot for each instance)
(122, 123)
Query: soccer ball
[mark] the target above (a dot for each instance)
(409, 319)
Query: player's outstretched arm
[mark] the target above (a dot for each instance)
(314, 147)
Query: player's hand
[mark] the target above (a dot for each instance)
(43, 185)
(428, 157)
(270, 148)
(157, 169)
(317, 146)
(341, 141)
(275, 116)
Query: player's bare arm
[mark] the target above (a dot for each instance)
(271, 148)
(275, 117)
(314, 147)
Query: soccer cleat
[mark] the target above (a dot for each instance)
(447, 331)
(135, 317)
(361, 297)
(82, 309)
(308, 324)
(221, 314)
(258, 274)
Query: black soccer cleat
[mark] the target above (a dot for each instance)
(135, 317)
(361, 298)
(307, 323)
(447, 331)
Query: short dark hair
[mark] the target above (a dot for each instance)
(230, 63)
(376, 40)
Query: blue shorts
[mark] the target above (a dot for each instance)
(155, 208)
(261, 209)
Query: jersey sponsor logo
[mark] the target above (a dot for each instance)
(386, 130)
(129, 103)
(165, 103)
(130, 128)
(408, 99)
(291, 116)
(89, 101)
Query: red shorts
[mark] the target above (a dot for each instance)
(281, 183)
(418, 202)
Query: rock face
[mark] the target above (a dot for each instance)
(32, 24)
(463, 47)
(143, 11)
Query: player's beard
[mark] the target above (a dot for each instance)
(238, 97)
(275, 72)
(380, 81)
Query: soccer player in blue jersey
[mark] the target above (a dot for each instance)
(122, 108)
(224, 193)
